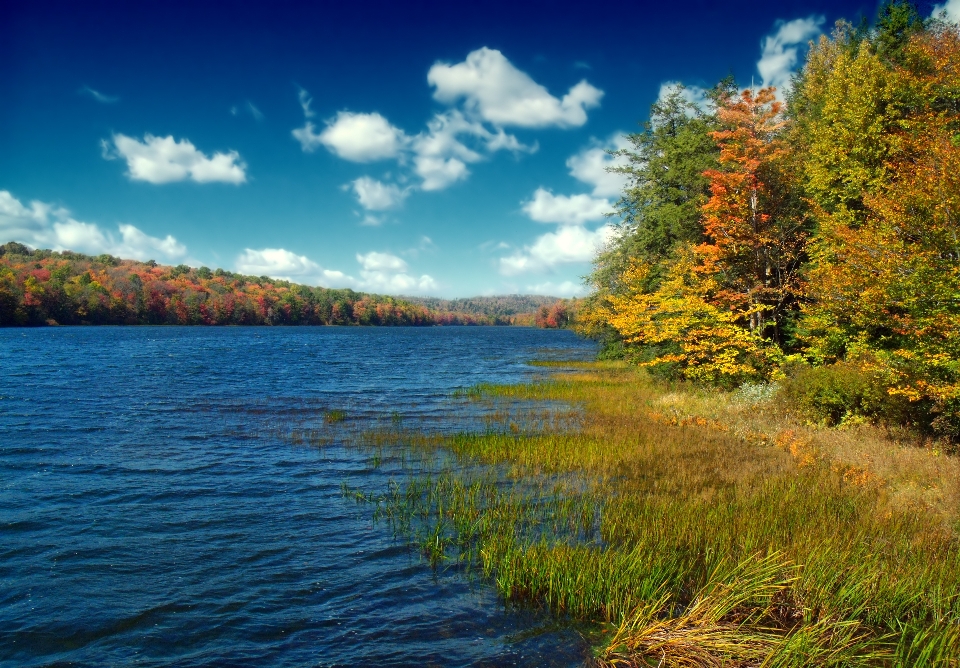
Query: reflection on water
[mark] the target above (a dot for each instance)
(153, 509)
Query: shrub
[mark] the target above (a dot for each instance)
(842, 394)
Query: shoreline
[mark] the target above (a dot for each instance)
(679, 524)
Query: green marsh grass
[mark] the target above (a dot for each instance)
(688, 528)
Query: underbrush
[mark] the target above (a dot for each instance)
(686, 527)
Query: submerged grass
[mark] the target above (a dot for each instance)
(688, 528)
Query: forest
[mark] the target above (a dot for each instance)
(44, 287)
(40, 287)
(807, 236)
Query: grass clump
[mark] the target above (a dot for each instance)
(683, 527)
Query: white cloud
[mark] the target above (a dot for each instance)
(568, 244)
(781, 50)
(591, 164)
(545, 207)
(165, 160)
(375, 195)
(492, 89)
(383, 272)
(695, 95)
(441, 156)
(952, 9)
(44, 226)
(357, 137)
(288, 266)
(379, 272)
(98, 96)
(563, 289)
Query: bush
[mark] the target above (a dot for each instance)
(842, 394)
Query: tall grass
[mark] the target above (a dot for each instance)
(691, 530)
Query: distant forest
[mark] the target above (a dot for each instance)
(536, 310)
(44, 287)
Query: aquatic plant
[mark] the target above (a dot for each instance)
(682, 527)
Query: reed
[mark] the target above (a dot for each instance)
(682, 527)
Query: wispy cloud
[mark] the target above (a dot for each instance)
(166, 160)
(545, 207)
(98, 96)
(375, 195)
(569, 244)
(357, 137)
(248, 107)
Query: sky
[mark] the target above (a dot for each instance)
(408, 148)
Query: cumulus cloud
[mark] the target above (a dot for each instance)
(357, 137)
(545, 207)
(288, 266)
(781, 50)
(493, 89)
(951, 8)
(379, 272)
(591, 166)
(165, 160)
(375, 195)
(441, 154)
(569, 244)
(383, 272)
(484, 93)
(98, 96)
(42, 225)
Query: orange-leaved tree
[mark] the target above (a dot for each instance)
(754, 219)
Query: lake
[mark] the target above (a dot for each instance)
(154, 511)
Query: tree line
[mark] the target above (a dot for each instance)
(39, 287)
(815, 236)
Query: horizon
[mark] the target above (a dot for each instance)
(422, 152)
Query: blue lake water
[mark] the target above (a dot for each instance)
(153, 513)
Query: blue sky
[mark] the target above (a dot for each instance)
(402, 148)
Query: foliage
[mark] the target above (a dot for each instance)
(559, 315)
(754, 222)
(495, 310)
(828, 229)
(682, 321)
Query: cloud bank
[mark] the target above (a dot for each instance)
(378, 272)
(572, 242)
(42, 225)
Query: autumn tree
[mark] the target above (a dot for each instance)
(660, 205)
(886, 283)
(754, 220)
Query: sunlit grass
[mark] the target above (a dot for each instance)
(687, 527)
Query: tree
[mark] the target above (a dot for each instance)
(754, 221)
(660, 206)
